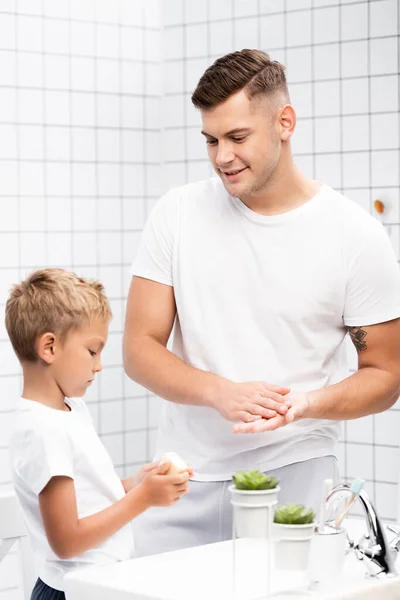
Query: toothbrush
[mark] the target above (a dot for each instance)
(326, 490)
(355, 489)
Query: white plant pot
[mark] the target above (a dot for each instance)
(292, 547)
(253, 511)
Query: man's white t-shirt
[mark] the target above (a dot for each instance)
(46, 443)
(263, 298)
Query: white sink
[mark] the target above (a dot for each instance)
(205, 573)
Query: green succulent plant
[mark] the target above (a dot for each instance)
(294, 514)
(254, 480)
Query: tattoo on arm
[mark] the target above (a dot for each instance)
(358, 335)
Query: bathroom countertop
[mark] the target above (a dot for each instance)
(206, 573)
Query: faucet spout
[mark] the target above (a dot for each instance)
(376, 551)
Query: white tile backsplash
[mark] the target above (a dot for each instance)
(327, 98)
(56, 36)
(326, 61)
(298, 28)
(57, 70)
(360, 461)
(385, 168)
(195, 12)
(355, 96)
(111, 413)
(114, 446)
(384, 56)
(82, 38)
(196, 38)
(244, 8)
(9, 177)
(384, 93)
(7, 31)
(135, 444)
(302, 139)
(32, 213)
(30, 70)
(355, 133)
(29, 33)
(326, 25)
(384, 18)
(8, 64)
(136, 410)
(387, 427)
(58, 107)
(327, 134)
(301, 98)
(298, 64)
(246, 33)
(354, 21)
(360, 430)
(356, 170)
(9, 211)
(384, 131)
(31, 143)
(354, 59)
(328, 169)
(387, 501)
(272, 31)
(387, 463)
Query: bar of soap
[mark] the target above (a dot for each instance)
(178, 465)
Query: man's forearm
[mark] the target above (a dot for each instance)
(370, 390)
(159, 370)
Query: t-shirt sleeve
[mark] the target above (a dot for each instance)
(155, 254)
(373, 282)
(46, 453)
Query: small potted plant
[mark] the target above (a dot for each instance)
(293, 529)
(253, 496)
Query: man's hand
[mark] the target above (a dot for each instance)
(251, 401)
(298, 403)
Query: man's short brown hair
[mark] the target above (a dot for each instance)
(251, 70)
(51, 300)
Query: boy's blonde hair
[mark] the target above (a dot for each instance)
(51, 300)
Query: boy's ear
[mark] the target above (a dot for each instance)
(46, 347)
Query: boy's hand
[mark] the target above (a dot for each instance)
(164, 490)
(163, 467)
(134, 480)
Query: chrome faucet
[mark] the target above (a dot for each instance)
(373, 548)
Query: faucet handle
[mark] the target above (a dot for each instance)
(394, 544)
(394, 529)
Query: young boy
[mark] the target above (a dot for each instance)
(77, 510)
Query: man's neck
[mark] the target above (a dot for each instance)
(284, 193)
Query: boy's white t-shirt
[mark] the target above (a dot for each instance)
(263, 298)
(46, 443)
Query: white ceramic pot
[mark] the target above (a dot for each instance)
(253, 511)
(292, 545)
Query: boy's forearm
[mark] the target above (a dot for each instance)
(95, 529)
(150, 364)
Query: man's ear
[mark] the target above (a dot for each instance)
(47, 347)
(287, 121)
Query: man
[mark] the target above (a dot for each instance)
(263, 271)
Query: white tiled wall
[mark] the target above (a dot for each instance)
(79, 167)
(92, 130)
(343, 74)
